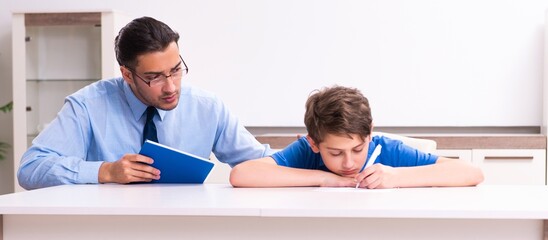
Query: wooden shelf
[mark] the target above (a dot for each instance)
(533, 141)
(490, 142)
(63, 19)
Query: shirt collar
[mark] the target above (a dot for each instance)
(137, 107)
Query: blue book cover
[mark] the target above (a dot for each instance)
(175, 165)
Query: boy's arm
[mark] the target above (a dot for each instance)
(444, 173)
(264, 172)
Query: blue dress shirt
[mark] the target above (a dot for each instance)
(104, 121)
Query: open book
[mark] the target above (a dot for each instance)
(175, 165)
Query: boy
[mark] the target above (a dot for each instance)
(339, 125)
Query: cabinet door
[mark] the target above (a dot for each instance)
(511, 166)
(462, 154)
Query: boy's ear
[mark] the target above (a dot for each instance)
(313, 145)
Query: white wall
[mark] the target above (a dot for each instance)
(421, 63)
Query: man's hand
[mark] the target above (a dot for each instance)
(130, 168)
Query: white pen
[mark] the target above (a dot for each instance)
(371, 160)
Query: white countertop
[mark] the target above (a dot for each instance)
(482, 202)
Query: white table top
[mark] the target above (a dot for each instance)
(482, 202)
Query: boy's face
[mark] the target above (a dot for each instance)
(343, 155)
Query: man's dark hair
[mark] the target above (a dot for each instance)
(140, 36)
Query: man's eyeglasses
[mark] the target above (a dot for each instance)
(157, 79)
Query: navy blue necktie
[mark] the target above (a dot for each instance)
(149, 132)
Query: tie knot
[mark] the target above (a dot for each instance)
(151, 111)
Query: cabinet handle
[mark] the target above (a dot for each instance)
(508, 158)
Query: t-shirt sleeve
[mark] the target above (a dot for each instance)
(397, 154)
(297, 155)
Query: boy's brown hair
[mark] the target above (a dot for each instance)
(337, 110)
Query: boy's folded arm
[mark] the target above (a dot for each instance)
(459, 172)
(264, 172)
(444, 173)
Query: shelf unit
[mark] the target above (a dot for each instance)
(54, 55)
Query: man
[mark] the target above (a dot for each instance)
(99, 130)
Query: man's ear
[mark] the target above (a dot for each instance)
(127, 75)
(313, 145)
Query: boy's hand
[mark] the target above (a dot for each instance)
(334, 180)
(378, 176)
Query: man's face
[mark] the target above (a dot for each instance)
(165, 94)
(343, 155)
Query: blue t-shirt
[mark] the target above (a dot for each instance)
(394, 153)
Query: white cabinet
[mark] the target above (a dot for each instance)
(55, 54)
(461, 154)
(511, 166)
(505, 166)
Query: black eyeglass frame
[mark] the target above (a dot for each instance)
(165, 76)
